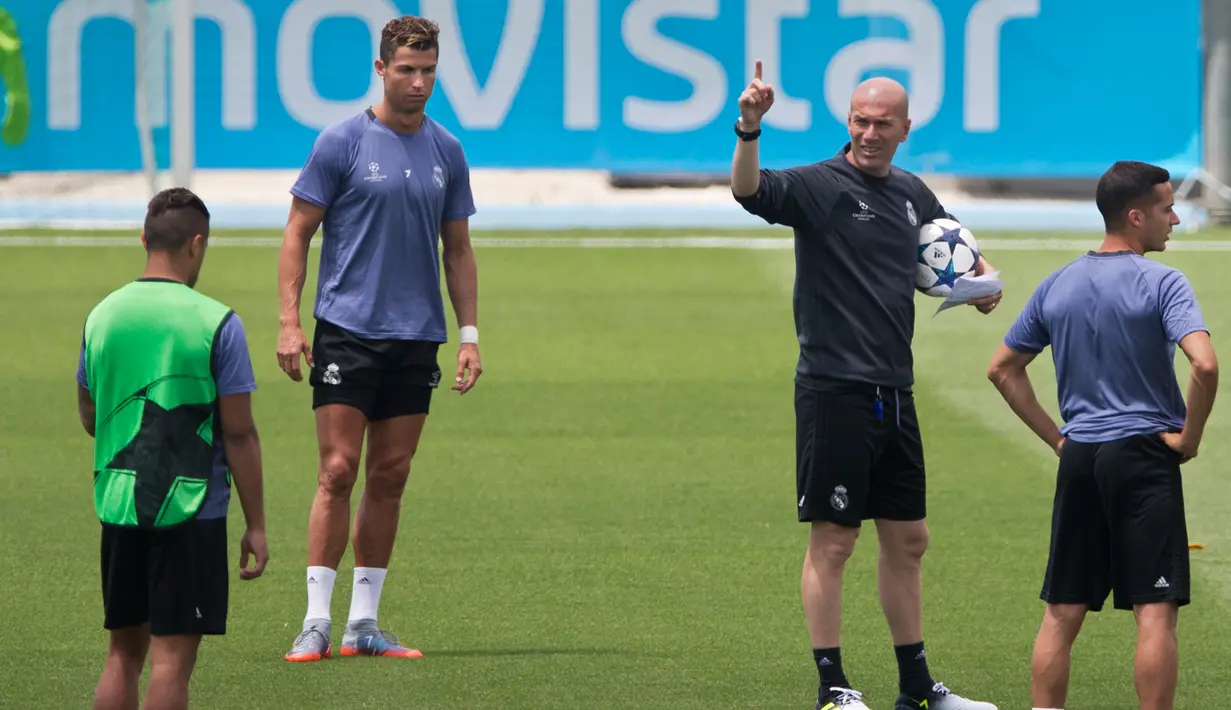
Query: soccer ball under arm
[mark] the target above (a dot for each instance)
(947, 251)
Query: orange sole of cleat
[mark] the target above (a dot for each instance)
(309, 658)
(410, 653)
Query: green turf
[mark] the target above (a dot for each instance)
(607, 521)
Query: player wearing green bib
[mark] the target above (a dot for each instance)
(164, 382)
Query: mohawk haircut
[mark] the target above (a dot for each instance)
(172, 218)
(418, 33)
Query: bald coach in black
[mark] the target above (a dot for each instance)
(859, 454)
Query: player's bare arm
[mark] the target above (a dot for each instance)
(85, 409)
(243, 449)
(1202, 387)
(1008, 373)
(462, 280)
(754, 102)
(304, 219)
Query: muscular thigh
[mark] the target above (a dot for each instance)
(392, 444)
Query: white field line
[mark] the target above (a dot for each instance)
(699, 242)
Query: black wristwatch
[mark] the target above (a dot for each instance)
(745, 135)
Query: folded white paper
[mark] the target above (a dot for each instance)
(968, 287)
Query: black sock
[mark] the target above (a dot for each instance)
(913, 676)
(829, 667)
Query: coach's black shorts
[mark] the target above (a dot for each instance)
(1118, 523)
(176, 579)
(856, 460)
(381, 378)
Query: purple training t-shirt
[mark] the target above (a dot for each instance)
(233, 367)
(1112, 320)
(385, 196)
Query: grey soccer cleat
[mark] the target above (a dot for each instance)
(364, 638)
(312, 644)
(940, 698)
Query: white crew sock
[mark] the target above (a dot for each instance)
(365, 597)
(320, 591)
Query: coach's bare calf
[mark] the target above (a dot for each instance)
(1155, 665)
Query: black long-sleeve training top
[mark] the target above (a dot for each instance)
(856, 250)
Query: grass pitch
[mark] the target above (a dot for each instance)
(607, 520)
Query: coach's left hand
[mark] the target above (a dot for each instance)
(985, 304)
(468, 367)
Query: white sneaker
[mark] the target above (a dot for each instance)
(941, 698)
(842, 699)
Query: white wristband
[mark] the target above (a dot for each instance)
(469, 334)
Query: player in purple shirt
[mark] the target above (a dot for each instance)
(383, 185)
(1113, 319)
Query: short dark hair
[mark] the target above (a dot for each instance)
(408, 31)
(1127, 185)
(172, 218)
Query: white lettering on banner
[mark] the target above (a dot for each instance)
(709, 80)
(488, 106)
(763, 40)
(65, 32)
(296, 85)
(485, 105)
(923, 56)
(981, 107)
(581, 52)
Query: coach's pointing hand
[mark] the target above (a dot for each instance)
(291, 344)
(755, 101)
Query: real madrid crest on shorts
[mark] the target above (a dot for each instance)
(910, 214)
(332, 376)
(839, 500)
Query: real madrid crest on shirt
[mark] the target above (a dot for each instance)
(438, 176)
(839, 500)
(910, 214)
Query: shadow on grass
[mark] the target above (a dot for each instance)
(499, 652)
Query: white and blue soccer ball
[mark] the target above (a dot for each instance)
(947, 251)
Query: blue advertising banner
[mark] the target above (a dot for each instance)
(1032, 88)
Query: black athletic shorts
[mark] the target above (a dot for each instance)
(858, 454)
(1118, 524)
(381, 378)
(176, 579)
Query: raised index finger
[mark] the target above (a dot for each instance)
(756, 73)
